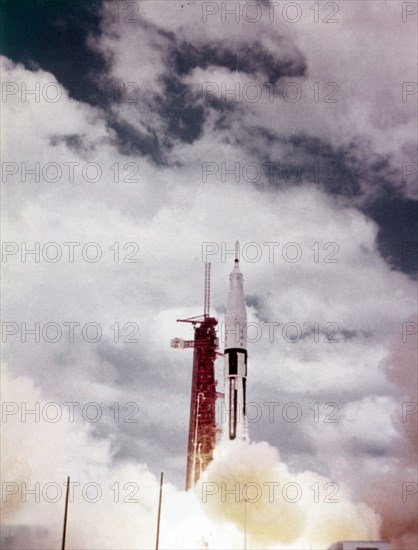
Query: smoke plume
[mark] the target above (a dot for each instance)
(248, 485)
(291, 511)
(395, 496)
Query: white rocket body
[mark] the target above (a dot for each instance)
(235, 356)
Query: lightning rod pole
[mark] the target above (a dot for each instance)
(159, 512)
(64, 531)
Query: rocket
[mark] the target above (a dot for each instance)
(235, 356)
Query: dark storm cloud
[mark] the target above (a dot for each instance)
(371, 448)
(133, 367)
(72, 141)
(129, 140)
(183, 118)
(180, 118)
(350, 334)
(369, 181)
(162, 413)
(41, 33)
(398, 231)
(256, 301)
(52, 35)
(351, 171)
(149, 439)
(250, 59)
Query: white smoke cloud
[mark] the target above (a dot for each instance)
(116, 506)
(281, 508)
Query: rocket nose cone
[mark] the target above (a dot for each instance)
(236, 252)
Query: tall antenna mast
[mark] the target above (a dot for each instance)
(64, 530)
(207, 291)
(157, 541)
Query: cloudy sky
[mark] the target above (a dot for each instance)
(147, 133)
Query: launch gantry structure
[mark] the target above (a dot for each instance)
(202, 424)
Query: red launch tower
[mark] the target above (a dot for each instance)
(202, 424)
